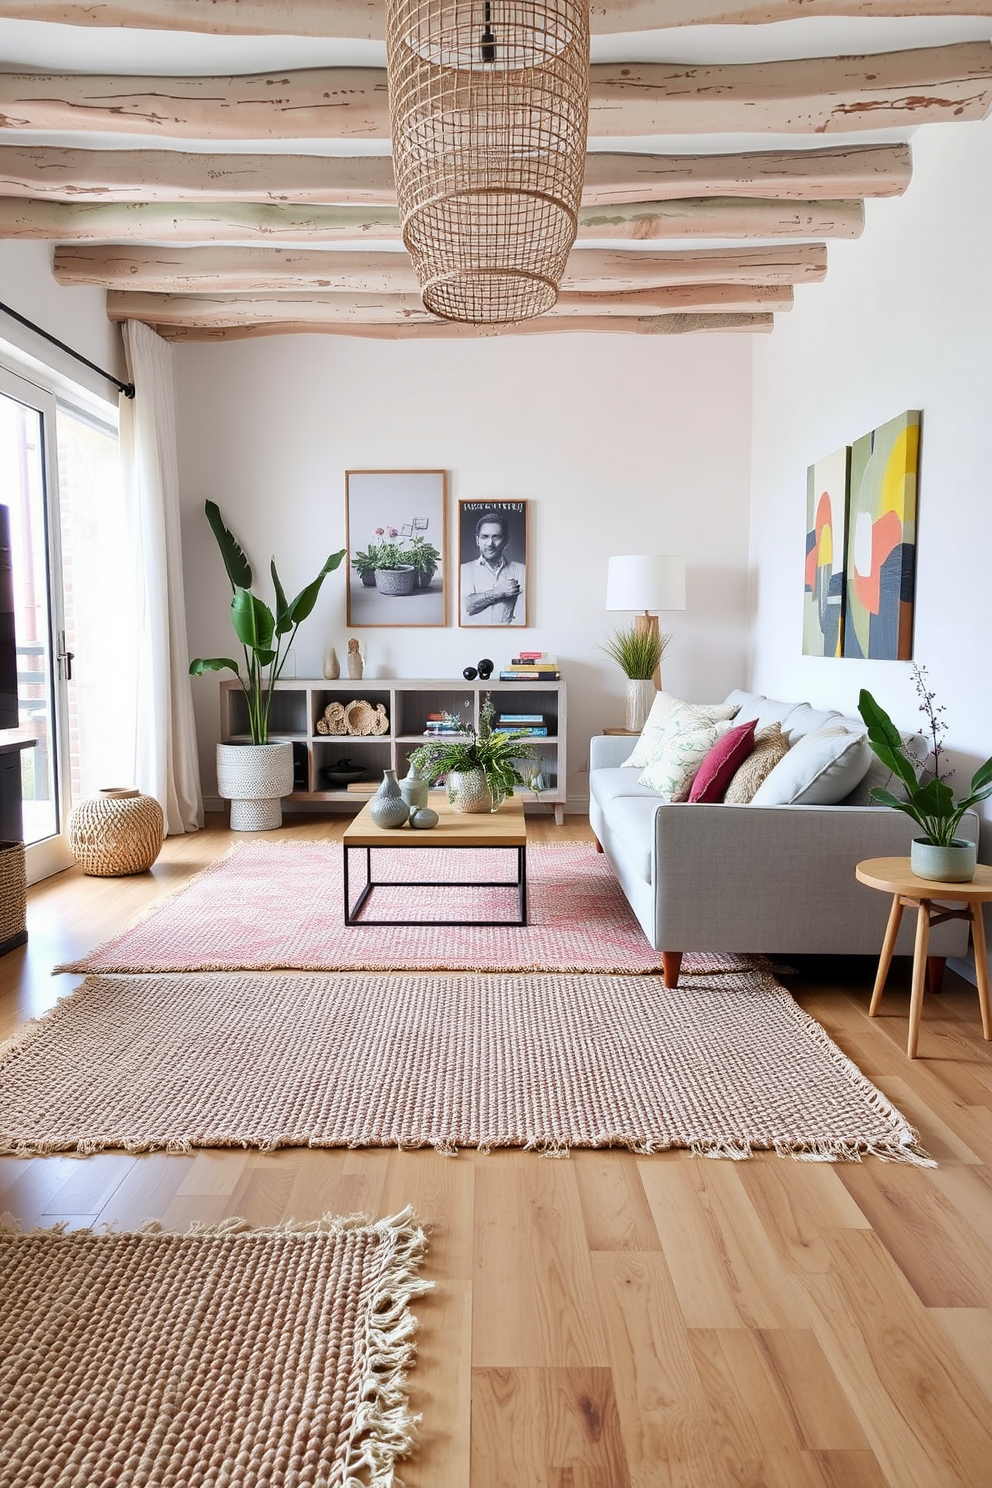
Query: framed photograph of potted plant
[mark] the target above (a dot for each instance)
(492, 559)
(395, 525)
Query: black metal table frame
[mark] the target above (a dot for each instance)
(351, 915)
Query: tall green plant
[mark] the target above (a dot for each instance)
(636, 652)
(929, 799)
(265, 637)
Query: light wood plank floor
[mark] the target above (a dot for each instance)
(609, 1321)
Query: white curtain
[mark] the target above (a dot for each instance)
(166, 764)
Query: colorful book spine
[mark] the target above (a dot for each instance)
(527, 730)
(516, 718)
(530, 676)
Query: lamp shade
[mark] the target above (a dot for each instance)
(645, 582)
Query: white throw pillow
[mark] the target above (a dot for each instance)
(659, 718)
(685, 745)
(820, 769)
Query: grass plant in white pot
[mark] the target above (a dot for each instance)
(929, 800)
(637, 653)
(255, 775)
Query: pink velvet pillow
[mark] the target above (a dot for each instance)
(720, 765)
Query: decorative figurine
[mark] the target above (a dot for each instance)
(470, 674)
(485, 669)
(356, 666)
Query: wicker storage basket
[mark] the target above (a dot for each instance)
(13, 896)
(115, 833)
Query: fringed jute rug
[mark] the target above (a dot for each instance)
(721, 1065)
(278, 905)
(226, 1356)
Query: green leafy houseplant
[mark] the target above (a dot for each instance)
(636, 653)
(483, 749)
(929, 798)
(265, 637)
(367, 561)
(423, 555)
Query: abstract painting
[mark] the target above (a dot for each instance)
(881, 541)
(826, 516)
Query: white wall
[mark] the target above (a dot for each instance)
(904, 320)
(621, 444)
(77, 316)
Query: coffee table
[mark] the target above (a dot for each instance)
(505, 828)
(934, 902)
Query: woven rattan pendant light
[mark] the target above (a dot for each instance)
(489, 102)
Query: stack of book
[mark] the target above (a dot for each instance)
(531, 666)
(437, 727)
(534, 725)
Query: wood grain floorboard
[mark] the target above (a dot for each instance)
(613, 1321)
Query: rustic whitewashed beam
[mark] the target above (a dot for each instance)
(365, 19)
(252, 222)
(54, 174)
(393, 309)
(631, 325)
(809, 95)
(283, 270)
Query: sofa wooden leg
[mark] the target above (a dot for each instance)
(599, 845)
(671, 964)
(935, 972)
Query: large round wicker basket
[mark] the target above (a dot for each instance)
(116, 832)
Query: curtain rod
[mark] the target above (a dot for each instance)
(127, 388)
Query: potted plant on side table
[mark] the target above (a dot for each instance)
(255, 776)
(480, 765)
(638, 654)
(938, 854)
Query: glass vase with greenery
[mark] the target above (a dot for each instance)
(494, 753)
(266, 637)
(636, 652)
(929, 798)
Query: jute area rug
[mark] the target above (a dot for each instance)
(229, 1356)
(275, 905)
(722, 1065)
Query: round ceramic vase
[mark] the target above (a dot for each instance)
(469, 791)
(424, 819)
(389, 810)
(953, 864)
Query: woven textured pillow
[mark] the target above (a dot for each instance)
(663, 709)
(770, 745)
(721, 764)
(682, 751)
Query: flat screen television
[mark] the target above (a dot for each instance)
(8, 643)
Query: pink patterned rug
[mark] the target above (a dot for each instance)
(278, 905)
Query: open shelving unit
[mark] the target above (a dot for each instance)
(299, 703)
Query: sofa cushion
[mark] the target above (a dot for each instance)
(770, 744)
(662, 710)
(806, 720)
(607, 785)
(632, 824)
(820, 769)
(720, 765)
(685, 744)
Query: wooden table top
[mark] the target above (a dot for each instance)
(503, 828)
(894, 876)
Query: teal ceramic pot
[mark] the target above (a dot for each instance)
(389, 809)
(953, 864)
(424, 819)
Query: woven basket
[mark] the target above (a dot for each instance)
(362, 717)
(115, 833)
(13, 893)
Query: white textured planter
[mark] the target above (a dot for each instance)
(254, 778)
(469, 791)
(640, 695)
(952, 864)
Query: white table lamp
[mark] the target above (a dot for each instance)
(645, 583)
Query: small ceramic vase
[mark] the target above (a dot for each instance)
(332, 667)
(424, 819)
(389, 809)
(413, 789)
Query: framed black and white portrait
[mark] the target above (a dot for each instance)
(395, 523)
(492, 557)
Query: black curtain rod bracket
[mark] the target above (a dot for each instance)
(127, 388)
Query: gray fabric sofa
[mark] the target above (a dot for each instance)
(770, 879)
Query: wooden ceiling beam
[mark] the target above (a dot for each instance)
(50, 173)
(810, 95)
(365, 19)
(631, 325)
(257, 222)
(327, 307)
(284, 270)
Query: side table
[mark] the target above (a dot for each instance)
(631, 733)
(934, 902)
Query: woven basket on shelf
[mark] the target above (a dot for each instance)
(116, 832)
(13, 895)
